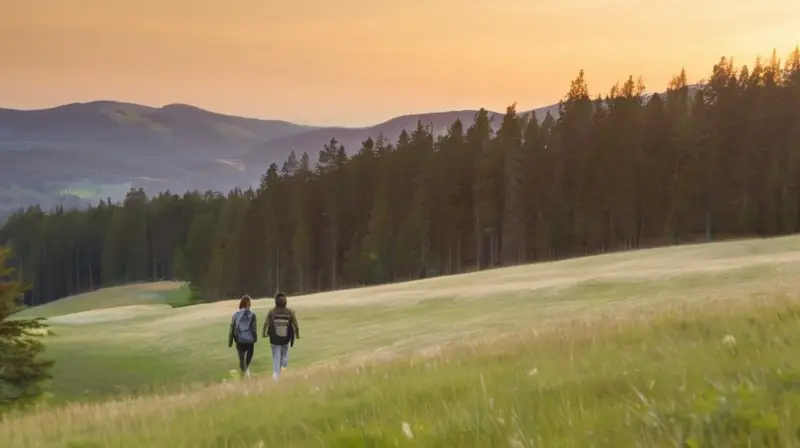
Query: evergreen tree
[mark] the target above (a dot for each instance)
(301, 214)
(513, 231)
(376, 246)
(484, 187)
(331, 170)
(606, 172)
(21, 371)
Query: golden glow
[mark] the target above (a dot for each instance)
(358, 62)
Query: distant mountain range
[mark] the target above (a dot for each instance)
(83, 152)
(278, 149)
(80, 153)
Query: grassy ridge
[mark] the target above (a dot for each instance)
(618, 350)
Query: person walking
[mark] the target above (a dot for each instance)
(282, 329)
(244, 331)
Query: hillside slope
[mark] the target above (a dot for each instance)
(79, 152)
(120, 127)
(381, 320)
(159, 293)
(632, 349)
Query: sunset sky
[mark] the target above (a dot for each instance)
(358, 62)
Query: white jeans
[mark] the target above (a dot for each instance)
(280, 358)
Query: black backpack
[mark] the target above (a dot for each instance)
(281, 331)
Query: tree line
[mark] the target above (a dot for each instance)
(609, 172)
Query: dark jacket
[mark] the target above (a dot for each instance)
(287, 316)
(253, 326)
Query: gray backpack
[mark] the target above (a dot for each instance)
(242, 328)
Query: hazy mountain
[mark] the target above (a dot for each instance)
(277, 150)
(115, 126)
(80, 153)
(87, 151)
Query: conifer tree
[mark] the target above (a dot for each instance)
(601, 173)
(510, 142)
(22, 372)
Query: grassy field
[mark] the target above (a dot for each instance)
(694, 345)
(96, 303)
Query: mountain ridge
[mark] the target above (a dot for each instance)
(83, 152)
(351, 137)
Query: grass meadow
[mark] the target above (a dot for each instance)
(159, 293)
(686, 346)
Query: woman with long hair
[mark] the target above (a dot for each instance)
(244, 331)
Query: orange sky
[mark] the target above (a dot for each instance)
(357, 62)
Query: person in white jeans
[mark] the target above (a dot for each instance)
(282, 329)
(280, 359)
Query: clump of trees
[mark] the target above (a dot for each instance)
(22, 372)
(607, 172)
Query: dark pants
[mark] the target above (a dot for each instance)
(245, 352)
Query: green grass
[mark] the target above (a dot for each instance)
(162, 293)
(155, 347)
(620, 350)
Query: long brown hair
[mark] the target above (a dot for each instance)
(244, 302)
